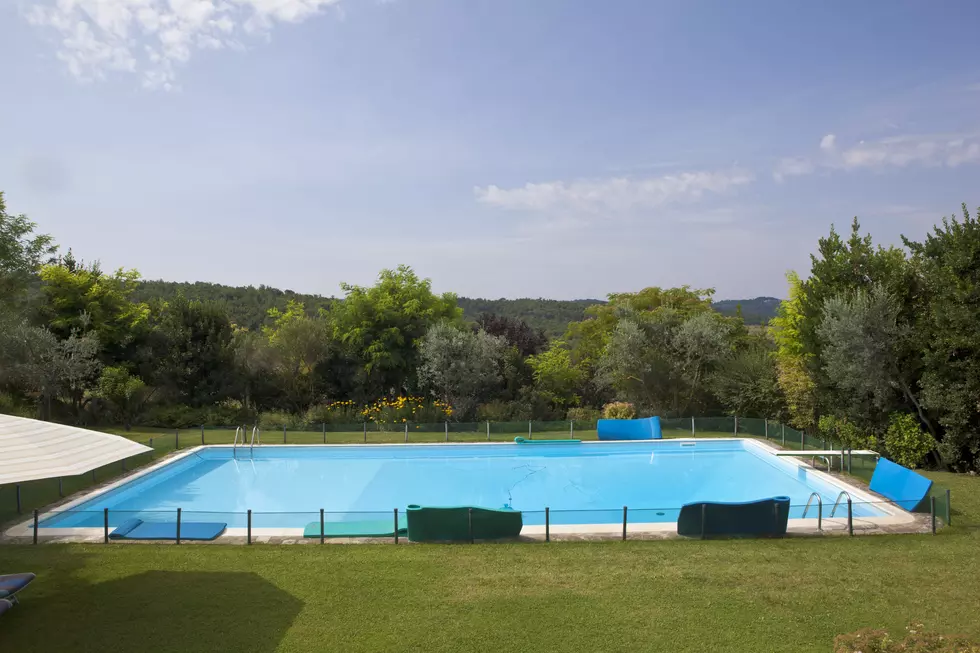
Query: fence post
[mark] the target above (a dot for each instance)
(406, 431)
(61, 491)
(178, 525)
(624, 523)
(850, 518)
(949, 510)
(447, 431)
(767, 429)
(735, 432)
(848, 461)
(321, 525)
(692, 425)
(703, 519)
(932, 513)
(202, 434)
(547, 524)
(284, 434)
(365, 432)
(105, 525)
(571, 429)
(35, 526)
(323, 425)
(248, 534)
(529, 436)
(469, 523)
(93, 476)
(802, 441)
(176, 438)
(488, 430)
(151, 443)
(396, 525)
(18, 499)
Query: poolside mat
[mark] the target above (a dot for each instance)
(363, 528)
(135, 529)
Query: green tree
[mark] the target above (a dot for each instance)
(382, 326)
(299, 344)
(792, 361)
(36, 362)
(21, 253)
(462, 368)
(747, 383)
(949, 260)
(194, 359)
(126, 394)
(84, 299)
(556, 378)
(866, 352)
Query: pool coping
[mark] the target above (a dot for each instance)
(896, 519)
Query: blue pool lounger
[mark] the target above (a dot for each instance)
(763, 517)
(901, 485)
(629, 429)
(137, 529)
(10, 584)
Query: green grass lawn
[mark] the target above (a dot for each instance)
(789, 595)
(751, 595)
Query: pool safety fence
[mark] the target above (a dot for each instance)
(178, 526)
(20, 499)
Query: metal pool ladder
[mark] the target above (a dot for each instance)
(843, 493)
(819, 509)
(239, 431)
(256, 439)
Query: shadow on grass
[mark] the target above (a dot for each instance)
(155, 611)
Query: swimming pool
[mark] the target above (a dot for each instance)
(588, 483)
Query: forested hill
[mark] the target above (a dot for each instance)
(754, 311)
(249, 305)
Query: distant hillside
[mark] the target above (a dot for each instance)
(754, 311)
(249, 305)
(551, 315)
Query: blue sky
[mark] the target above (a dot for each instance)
(503, 148)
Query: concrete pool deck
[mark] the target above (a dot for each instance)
(895, 520)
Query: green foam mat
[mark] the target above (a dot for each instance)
(363, 528)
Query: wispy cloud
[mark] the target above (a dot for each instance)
(927, 150)
(151, 38)
(617, 194)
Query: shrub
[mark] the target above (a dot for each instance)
(916, 640)
(9, 405)
(844, 433)
(619, 410)
(174, 416)
(582, 414)
(335, 412)
(502, 411)
(906, 443)
(274, 420)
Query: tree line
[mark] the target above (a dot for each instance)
(876, 347)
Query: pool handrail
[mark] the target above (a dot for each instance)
(256, 436)
(843, 493)
(234, 444)
(819, 509)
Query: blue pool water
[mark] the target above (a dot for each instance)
(581, 484)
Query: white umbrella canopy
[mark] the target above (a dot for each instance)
(32, 450)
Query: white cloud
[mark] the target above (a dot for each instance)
(151, 37)
(616, 194)
(902, 151)
(929, 150)
(792, 167)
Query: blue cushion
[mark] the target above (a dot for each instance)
(125, 528)
(629, 429)
(900, 484)
(10, 584)
(168, 531)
